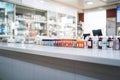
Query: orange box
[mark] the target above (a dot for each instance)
(80, 44)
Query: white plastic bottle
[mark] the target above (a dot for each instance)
(115, 43)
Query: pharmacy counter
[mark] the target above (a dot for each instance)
(107, 57)
(35, 62)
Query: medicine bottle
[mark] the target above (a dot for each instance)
(90, 43)
(109, 42)
(119, 42)
(115, 43)
(100, 43)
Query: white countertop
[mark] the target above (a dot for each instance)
(107, 57)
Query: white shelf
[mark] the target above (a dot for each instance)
(4, 36)
(53, 23)
(35, 21)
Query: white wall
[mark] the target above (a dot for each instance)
(95, 20)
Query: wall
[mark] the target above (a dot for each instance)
(95, 19)
(111, 22)
(81, 17)
(111, 13)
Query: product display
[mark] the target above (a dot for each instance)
(60, 42)
(91, 42)
(59, 39)
(60, 28)
(31, 23)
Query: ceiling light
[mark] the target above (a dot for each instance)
(89, 3)
(41, 1)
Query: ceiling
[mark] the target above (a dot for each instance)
(81, 5)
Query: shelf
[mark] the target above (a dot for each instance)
(4, 35)
(34, 21)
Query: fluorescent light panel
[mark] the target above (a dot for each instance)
(89, 3)
(41, 1)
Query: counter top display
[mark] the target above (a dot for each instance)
(105, 56)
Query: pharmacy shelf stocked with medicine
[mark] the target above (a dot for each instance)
(52, 28)
(2, 21)
(6, 20)
(31, 22)
(61, 25)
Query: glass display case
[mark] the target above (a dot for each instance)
(24, 23)
(2, 21)
(70, 27)
(52, 24)
(6, 18)
(61, 25)
(31, 22)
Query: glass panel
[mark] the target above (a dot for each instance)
(31, 23)
(6, 17)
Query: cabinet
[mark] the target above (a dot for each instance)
(2, 21)
(52, 24)
(6, 18)
(32, 22)
(61, 25)
(70, 26)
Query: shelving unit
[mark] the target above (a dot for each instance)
(30, 22)
(61, 25)
(33, 21)
(2, 21)
(52, 24)
(70, 26)
(6, 19)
